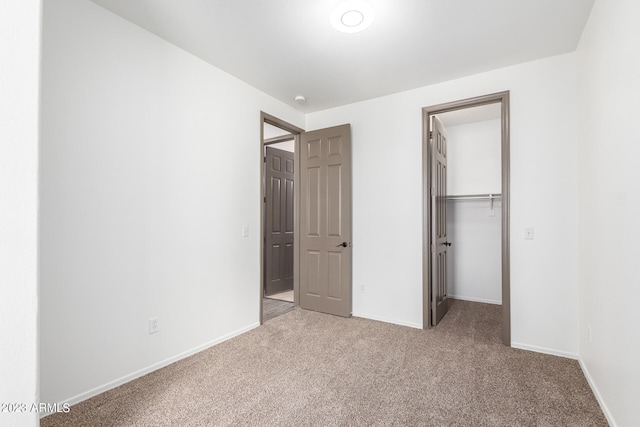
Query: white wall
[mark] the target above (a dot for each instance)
(473, 158)
(387, 199)
(20, 30)
(609, 152)
(143, 198)
(474, 228)
(474, 267)
(286, 146)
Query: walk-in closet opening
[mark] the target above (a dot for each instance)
(473, 204)
(466, 180)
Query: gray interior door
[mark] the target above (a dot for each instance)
(325, 220)
(279, 179)
(439, 243)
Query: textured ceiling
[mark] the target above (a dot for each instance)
(288, 47)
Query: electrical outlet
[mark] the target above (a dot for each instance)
(245, 231)
(362, 289)
(590, 338)
(154, 325)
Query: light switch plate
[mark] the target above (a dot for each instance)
(154, 325)
(528, 233)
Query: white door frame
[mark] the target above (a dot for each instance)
(503, 99)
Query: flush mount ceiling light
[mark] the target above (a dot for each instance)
(352, 16)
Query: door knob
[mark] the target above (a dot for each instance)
(447, 243)
(343, 244)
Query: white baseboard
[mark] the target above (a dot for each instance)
(154, 367)
(596, 393)
(544, 350)
(473, 299)
(387, 320)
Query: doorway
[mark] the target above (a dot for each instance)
(435, 239)
(321, 249)
(278, 259)
(279, 166)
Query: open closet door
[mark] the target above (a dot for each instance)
(439, 244)
(325, 220)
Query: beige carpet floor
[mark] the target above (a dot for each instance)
(309, 369)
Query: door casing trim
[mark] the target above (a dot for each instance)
(296, 131)
(503, 99)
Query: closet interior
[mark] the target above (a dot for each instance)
(474, 203)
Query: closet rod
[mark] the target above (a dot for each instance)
(474, 196)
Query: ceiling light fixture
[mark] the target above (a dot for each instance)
(352, 16)
(300, 99)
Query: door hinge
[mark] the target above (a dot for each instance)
(430, 134)
(264, 200)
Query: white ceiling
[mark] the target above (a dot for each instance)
(288, 47)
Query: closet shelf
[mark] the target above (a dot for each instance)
(474, 196)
